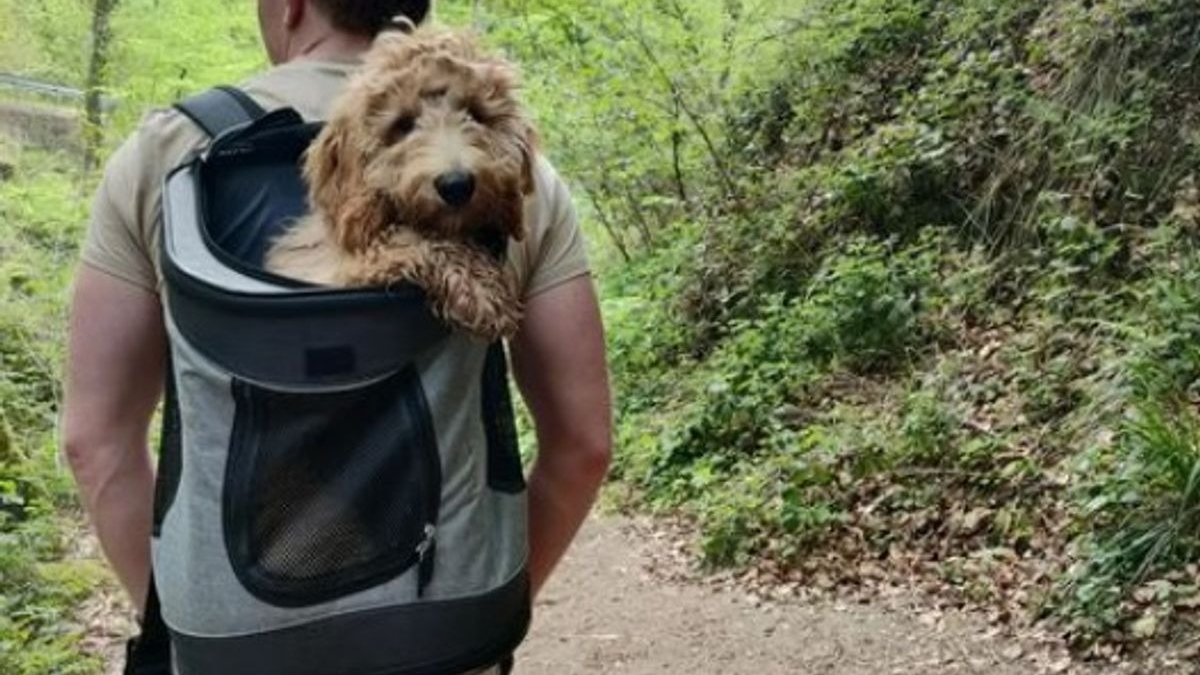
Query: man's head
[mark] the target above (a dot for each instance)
(293, 28)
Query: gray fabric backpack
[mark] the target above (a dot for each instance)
(340, 489)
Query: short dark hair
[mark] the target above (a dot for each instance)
(368, 17)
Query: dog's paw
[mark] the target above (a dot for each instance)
(486, 305)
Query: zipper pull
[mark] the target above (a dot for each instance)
(426, 542)
(426, 553)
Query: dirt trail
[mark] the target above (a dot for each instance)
(617, 606)
(609, 610)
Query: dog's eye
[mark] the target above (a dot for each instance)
(477, 114)
(401, 127)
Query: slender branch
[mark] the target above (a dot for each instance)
(716, 156)
(93, 118)
(676, 150)
(609, 226)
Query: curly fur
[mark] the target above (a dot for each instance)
(425, 104)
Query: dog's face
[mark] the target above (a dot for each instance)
(430, 136)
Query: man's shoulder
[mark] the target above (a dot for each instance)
(307, 86)
(164, 137)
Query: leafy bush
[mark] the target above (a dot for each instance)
(1145, 515)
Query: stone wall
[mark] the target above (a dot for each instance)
(40, 125)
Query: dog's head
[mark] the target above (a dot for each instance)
(428, 135)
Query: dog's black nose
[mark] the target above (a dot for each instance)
(456, 187)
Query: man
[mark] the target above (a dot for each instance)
(117, 341)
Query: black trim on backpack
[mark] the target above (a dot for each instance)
(268, 338)
(170, 451)
(504, 471)
(498, 621)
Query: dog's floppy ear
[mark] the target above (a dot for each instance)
(527, 145)
(334, 171)
(529, 149)
(505, 81)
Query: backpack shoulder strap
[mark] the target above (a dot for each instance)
(220, 109)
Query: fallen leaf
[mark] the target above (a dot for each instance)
(1145, 627)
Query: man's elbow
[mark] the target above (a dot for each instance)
(93, 454)
(81, 447)
(597, 457)
(586, 457)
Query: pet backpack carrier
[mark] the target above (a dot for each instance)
(340, 489)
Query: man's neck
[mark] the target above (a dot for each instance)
(332, 46)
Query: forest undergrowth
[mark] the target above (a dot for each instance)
(898, 291)
(40, 584)
(906, 289)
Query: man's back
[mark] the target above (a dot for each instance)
(116, 360)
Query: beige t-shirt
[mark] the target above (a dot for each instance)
(123, 235)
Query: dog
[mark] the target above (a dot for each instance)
(420, 175)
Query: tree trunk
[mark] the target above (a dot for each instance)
(93, 112)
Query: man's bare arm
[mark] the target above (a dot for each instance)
(559, 364)
(114, 376)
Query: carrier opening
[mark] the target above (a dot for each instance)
(221, 213)
(252, 188)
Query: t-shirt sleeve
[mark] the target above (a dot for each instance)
(116, 241)
(561, 252)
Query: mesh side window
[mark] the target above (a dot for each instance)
(329, 494)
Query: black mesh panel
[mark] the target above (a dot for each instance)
(329, 494)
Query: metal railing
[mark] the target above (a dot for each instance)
(51, 90)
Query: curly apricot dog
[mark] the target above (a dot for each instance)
(420, 176)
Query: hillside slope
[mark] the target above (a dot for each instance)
(903, 287)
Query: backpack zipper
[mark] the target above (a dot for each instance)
(426, 553)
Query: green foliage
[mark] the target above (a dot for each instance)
(38, 598)
(972, 232)
(169, 49)
(1141, 495)
(727, 445)
(40, 217)
(1145, 511)
(644, 148)
(1168, 330)
(776, 506)
(163, 50)
(47, 39)
(41, 214)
